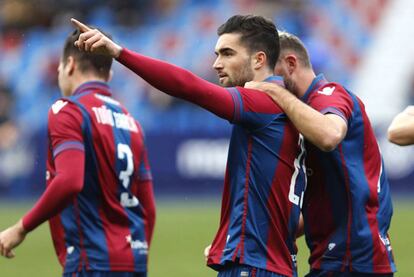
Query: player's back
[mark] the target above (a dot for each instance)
(347, 207)
(263, 188)
(104, 228)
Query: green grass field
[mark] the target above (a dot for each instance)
(183, 229)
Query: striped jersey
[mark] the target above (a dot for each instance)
(104, 228)
(263, 187)
(347, 206)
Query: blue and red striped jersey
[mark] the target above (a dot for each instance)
(105, 227)
(263, 188)
(347, 206)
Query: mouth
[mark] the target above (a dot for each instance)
(222, 76)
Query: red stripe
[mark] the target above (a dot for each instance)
(246, 197)
(372, 165)
(347, 257)
(254, 271)
(279, 258)
(217, 247)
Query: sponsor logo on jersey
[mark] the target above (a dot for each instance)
(386, 242)
(244, 274)
(137, 244)
(58, 106)
(327, 91)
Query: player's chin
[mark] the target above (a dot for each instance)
(226, 82)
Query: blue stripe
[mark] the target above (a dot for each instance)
(335, 111)
(68, 220)
(89, 199)
(238, 104)
(68, 145)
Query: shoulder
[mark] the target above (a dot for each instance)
(258, 101)
(330, 89)
(65, 111)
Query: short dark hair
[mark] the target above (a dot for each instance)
(291, 42)
(99, 64)
(257, 34)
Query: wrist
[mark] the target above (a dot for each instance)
(116, 51)
(20, 228)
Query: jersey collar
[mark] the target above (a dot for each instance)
(317, 82)
(98, 86)
(275, 79)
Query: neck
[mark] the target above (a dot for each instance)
(84, 79)
(305, 78)
(262, 75)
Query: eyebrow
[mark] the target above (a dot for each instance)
(225, 49)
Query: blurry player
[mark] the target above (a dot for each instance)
(265, 179)
(347, 206)
(99, 197)
(401, 130)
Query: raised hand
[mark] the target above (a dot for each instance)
(92, 40)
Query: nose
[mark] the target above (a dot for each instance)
(217, 64)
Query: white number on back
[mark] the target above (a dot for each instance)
(124, 152)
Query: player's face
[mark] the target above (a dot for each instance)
(233, 63)
(282, 69)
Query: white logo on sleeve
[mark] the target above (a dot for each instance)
(331, 246)
(58, 106)
(70, 249)
(327, 91)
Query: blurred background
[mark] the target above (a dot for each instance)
(364, 44)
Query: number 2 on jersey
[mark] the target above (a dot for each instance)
(299, 164)
(124, 152)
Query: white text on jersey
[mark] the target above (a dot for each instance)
(106, 116)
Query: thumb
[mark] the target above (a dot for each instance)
(10, 254)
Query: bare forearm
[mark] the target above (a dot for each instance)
(401, 130)
(321, 130)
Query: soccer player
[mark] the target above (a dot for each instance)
(401, 130)
(347, 206)
(265, 178)
(99, 197)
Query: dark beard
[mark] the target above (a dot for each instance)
(245, 75)
(290, 86)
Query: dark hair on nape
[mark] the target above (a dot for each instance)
(291, 42)
(88, 62)
(257, 34)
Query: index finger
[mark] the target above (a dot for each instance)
(82, 27)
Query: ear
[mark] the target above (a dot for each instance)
(70, 65)
(291, 63)
(111, 74)
(259, 60)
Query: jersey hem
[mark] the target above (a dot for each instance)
(337, 266)
(106, 267)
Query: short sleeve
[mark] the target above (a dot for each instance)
(332, 98)
(253, 109)
(65, 127)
